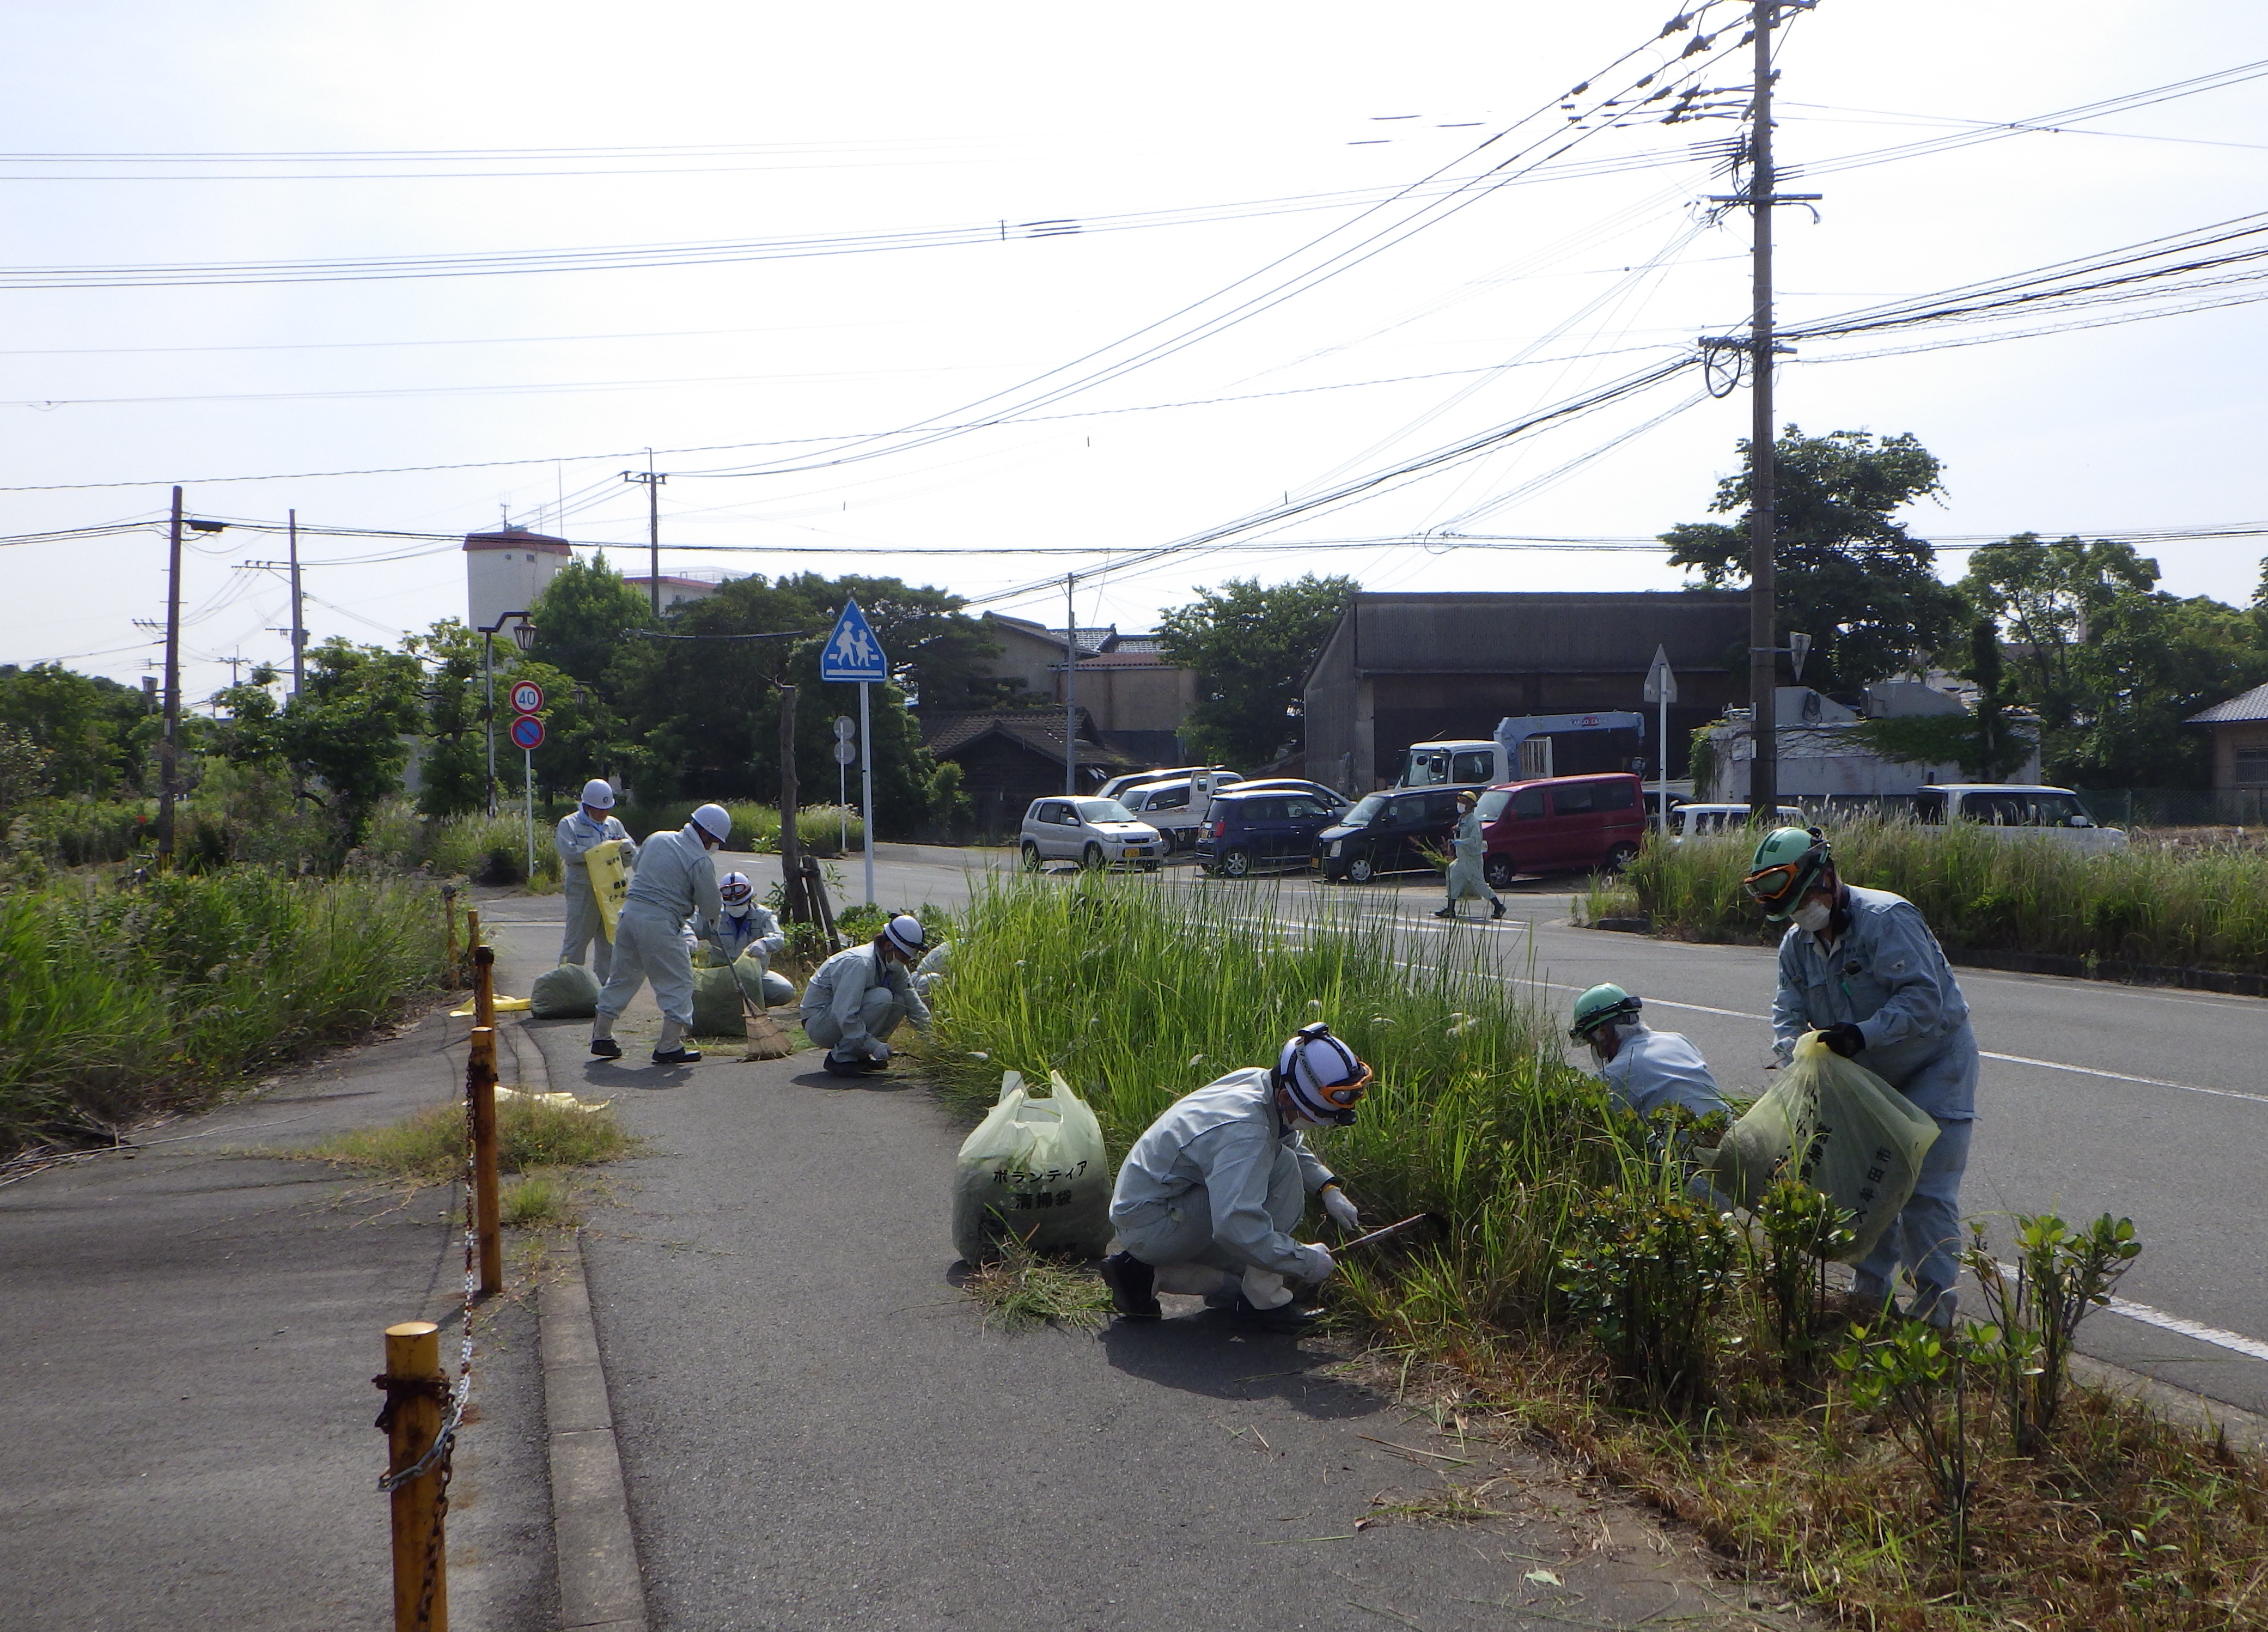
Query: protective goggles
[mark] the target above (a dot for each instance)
(1770, 885)
(733, 893)
(1629, 1009)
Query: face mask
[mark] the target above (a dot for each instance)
(741, 911)
(1812, 916)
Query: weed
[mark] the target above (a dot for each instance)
(543, 1198)
(2062, 1276)
(429, 1148)
(1645, 1274)
(1020, 1289)
(1904, 1371)
(1800, 1230)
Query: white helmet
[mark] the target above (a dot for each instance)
(598, 795)
(736, 892)
(715, 820)
(905, 933)
(1322, 1076)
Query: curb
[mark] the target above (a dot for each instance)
(600, 1586)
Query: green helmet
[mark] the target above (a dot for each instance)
(1600, 1005)
(1786, 868)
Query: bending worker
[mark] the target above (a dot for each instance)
(746, 927)
(1470, 850)
(1207, 1198)
(1644, 1069)
(676, 881)
(859, 996)
(590, 824)
(1860, 967)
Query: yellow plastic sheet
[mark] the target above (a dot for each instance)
(610, 882)
(564, 1102)
(504, 1006)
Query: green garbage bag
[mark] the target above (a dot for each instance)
(1860, 1140)
(765, 989)
(569, 992)
(716, 1010)
(1035, 1169)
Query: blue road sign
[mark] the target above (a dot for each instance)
(852, 652)
(528, 732)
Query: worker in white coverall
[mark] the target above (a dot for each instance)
(1646, 1069)
(746, 927)
(861, 994)
(1207, 1198)
(581, 830)
(676, 881)
(1468, 878)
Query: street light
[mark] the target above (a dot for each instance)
(523, 636)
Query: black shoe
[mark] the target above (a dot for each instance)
(677, 1056)
(1288, 1318)
(1133, 1286)
(834, 1067)
(606, 1048)
(1447, 911)
(1496, 907)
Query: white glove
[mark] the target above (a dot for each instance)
(1341, 1210)
(1316, 1264)
(875, 1048)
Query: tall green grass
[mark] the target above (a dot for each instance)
(1138, 993)
(119, 1002)
(2149, 903)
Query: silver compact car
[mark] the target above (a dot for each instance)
(1094, 832)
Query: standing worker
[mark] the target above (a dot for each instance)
(676, 881)
(1467, 881)
(1644, 1069)
(1207, 1198)
(859, 996)
(580, 832)
(1860, 967)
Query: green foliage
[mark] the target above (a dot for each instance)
(1800, 1230)
(121, 1002)
(533, 1136)
(94, 736)
(2147, 904)
(1903, 1372)
(1251, 646)
(1864, 589)
(1986, 751)
(2062, 1276)
(2111, 664)
(1020, 1290)
(580, 618)
(348, 728)
(1645, 1272)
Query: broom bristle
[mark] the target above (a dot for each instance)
(766, 1040)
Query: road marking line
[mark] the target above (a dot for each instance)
(2120, 1076)
(2250, 1347)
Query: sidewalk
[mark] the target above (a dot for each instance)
(818, 1431)
(186, 1407)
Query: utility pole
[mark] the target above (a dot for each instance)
(652, 483)
(1071, 691)
(1763, 622)
(168, 741)
(299, 613)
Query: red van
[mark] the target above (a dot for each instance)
(1561, 824)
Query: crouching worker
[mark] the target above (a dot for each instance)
(1644, 1069)
(859, 996)
(676, 881)
(1207, 1198)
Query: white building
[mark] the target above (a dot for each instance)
(505, 571)
(678, 589)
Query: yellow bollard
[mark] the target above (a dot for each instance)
(415, 1391)
(479, 1089)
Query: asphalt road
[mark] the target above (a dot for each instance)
(2096, 1097)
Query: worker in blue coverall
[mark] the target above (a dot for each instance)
(1860, 967)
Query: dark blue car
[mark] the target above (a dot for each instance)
(1246, 832)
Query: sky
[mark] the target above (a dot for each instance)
(979, 298)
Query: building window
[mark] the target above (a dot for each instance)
(2250, 765)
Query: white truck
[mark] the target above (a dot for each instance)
(1521, 750)
(2017, 811)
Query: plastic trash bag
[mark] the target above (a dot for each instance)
(610, 882)
(1861, 1140)
(1034, 1168)
(765, 989)
(569, 992)
(717, 1004)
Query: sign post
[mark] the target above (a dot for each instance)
(1661, 690)
(852, 652)
(527, 733)
(846, 755)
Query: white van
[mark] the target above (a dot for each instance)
(2017, 810)
(1178, 808)
(1688, 821)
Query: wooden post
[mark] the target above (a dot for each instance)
(413, 1355)
(479, 1088)
(484, 987)
(814, 886)
(794, 904)
(449, 910)
(472, 929)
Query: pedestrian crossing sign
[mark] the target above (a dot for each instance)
(852, 652)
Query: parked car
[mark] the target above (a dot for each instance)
(1094, 832)
(1116, 789)
(1178, 807)
(1389, 832)
(1250, 830)
(1332, 797)
(1559, 824)
(2017, 810)
(1688, 820)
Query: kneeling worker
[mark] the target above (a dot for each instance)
(1207, 1198)
(1644, 1068)
(675, 879)
(860, 995)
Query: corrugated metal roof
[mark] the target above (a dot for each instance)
(2252, 705)
(1602, 633)
(1041, 730)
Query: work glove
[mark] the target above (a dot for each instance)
(1844, 1038)
(874, 1049)
(1316, 1264)
(1341, 1210)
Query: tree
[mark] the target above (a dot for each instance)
(351, 725)
(581, 615)
(94, 733)
(1862, 588)
(1251, 646)
(453, 776)
(2111, 664)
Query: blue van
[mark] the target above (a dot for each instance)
(1246, 832)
